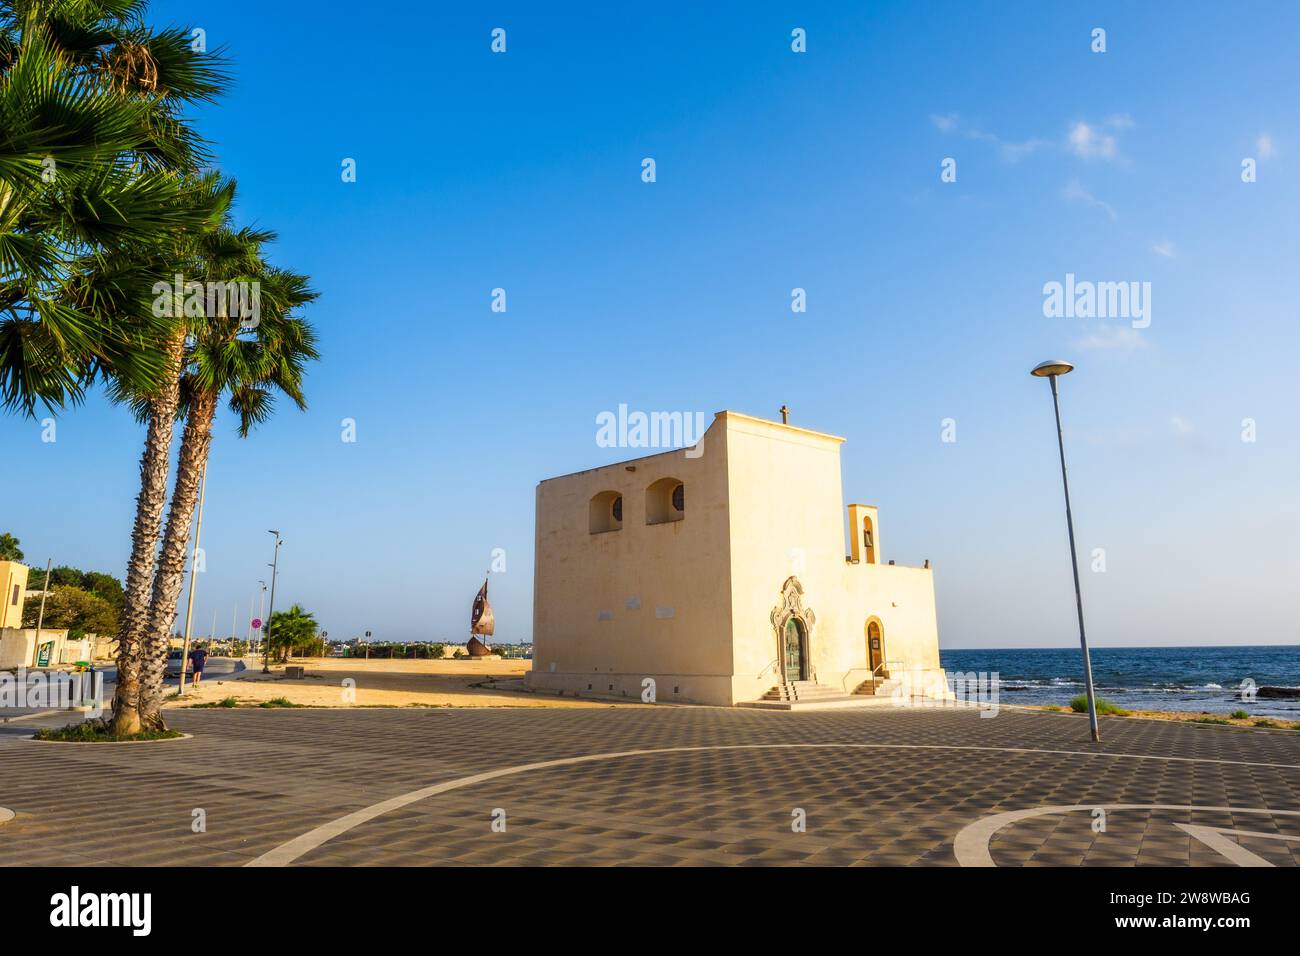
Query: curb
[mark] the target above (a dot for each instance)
(109, 743)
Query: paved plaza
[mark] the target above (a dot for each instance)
(665, 786)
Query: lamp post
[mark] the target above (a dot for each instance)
(1051, 371)
(261, 611)
(266, 625)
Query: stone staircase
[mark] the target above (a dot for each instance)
(801, 690)
(875, 687)
(810, 695)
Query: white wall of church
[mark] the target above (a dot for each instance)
(788, 519)
(688, 602)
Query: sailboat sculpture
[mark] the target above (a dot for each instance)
(481, 622)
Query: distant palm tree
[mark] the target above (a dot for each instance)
(291, 630)
(247, 367)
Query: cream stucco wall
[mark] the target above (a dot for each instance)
(647, 600)
(689, 603)
(788, 520)
(19, 647)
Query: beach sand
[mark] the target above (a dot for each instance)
(380, 683)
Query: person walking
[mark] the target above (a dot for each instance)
(198, 657)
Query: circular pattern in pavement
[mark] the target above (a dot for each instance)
(736, 805)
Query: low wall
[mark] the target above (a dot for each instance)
(19, 648)
(669, 688)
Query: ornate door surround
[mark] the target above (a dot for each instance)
(791, 609)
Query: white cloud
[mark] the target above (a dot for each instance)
(1074, 192)
(1264, 146)
(1091, 142)
(1180, 425)
(1012, 151)
(1118, 339)
(1165, 247)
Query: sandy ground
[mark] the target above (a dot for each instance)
(1187, 715)
(380, 683)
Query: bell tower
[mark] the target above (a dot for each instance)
(864, 534)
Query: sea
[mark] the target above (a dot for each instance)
(1144, 678)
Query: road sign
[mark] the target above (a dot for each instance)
(257, 623)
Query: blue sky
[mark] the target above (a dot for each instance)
(775, 170)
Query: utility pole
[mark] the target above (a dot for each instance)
(194, 558)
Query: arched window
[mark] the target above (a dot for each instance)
(605, 512)
(665, 501)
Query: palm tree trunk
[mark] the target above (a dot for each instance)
(144, 541)
(195, 443)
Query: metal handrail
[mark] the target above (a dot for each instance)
(844, 681)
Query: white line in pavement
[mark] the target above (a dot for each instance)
(971, 845)
(288, 852)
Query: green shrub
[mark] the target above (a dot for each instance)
(1265, 722)
(279, 702)
(1208, 720)
(224, 702)
(1080, 706)
(1239, 715)
(94, 731)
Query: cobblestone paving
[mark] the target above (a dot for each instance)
(265, 777)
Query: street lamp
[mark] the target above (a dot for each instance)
(1051, 371)
(266, 625)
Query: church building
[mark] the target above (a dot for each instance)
(720, 573)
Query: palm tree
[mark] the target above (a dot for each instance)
(92, 157)
(247, 366)
(158, 408)
(294, 629)
(90, 142)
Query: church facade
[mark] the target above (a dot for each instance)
(720, 573)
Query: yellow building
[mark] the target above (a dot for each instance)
(14, 578)
(720, 573)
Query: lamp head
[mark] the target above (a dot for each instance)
(1051, 367)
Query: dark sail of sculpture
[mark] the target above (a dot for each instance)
(481, 622)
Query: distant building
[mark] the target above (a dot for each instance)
(14, 577)
(720, 572)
